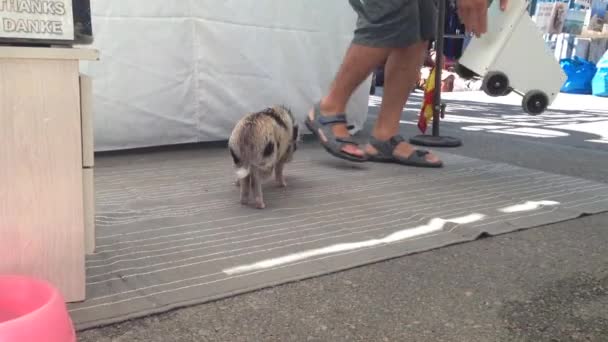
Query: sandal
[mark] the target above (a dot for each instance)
(385, 153)
(321, 124)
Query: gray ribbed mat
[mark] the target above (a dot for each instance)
(171, 231)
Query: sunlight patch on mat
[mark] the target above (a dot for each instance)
(529, 205)
(434, 225)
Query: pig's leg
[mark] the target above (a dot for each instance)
(245, 187)
(278, 172)
(256, 186)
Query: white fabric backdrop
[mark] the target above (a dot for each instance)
(187, 70)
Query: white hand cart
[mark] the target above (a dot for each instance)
(512, 56)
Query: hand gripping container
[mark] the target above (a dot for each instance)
(513, 56)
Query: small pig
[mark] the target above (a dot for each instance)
(260, 143)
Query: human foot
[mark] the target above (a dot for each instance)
(396, 150)
(333, 134)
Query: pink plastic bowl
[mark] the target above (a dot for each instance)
(33, 310)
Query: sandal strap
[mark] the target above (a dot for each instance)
(332, 119)
(387, 147)
(346, 140)
(396, 140)
(321, 125)
(325, 120)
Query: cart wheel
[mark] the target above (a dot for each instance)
(535, 102)
(464, 72)
(495, 83)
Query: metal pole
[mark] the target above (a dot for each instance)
(438, 66)
(435, 139)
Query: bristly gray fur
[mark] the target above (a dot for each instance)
(260, 143)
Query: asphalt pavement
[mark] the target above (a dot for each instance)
(543, 284)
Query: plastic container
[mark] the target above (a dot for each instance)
(33, 310)
(513, 56)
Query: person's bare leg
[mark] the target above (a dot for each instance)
(358, 64)
(401, 72)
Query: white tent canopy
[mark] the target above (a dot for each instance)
(184, 71)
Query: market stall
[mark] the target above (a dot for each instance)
(183, 72)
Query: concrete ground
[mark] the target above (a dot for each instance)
(543, 284)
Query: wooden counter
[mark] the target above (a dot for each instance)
(46, 165)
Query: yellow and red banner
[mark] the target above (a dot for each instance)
(426, 112)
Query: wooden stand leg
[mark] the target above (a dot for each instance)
(41, 181)
(88, 161)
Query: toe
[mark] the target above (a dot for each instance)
(431, 158)
(370, 150)
(353, 150)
